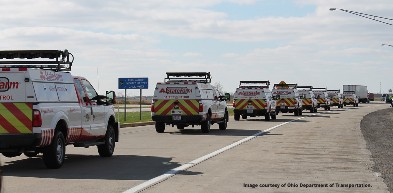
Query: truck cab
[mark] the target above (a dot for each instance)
(253, 98)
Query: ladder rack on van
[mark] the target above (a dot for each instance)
(320, 89)
(254, 84)
(56, 60)
(309, 87)
(203, 77)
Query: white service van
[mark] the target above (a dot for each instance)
(307, 96)
(43, 108)
(322, 98)
(336, 98)
(253, 98)
(287, 98)
(350, 98)
(187, 99)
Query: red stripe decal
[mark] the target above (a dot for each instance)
(7, 125)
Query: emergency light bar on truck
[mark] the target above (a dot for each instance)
(56, 60)
(203, 77)
(254, 84)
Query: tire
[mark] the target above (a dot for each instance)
(345, 104)
(107, 149)
(300, 112)
(31, 154)
(296, 112)
(224, 125)
(267, 117)
(160, 127)
(236, 116)
(273, 116)
(205, 126)
(54, 154)
(11, 154)
(180, 127)
(244, 116)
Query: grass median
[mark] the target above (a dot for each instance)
(133, 117)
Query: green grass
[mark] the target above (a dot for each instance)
(133, 117)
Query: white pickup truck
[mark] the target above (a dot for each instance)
(43, 108)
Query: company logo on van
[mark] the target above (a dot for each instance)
(5, 84)
(176, 90)
(249, 93)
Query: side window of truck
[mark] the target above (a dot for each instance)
(79, 88)
(91, 92)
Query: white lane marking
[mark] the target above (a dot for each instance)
(172, 172)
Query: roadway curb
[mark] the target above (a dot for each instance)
(137, 124)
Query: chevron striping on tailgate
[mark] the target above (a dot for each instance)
(16, 118)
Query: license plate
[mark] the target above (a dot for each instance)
(250, 111)
(176, 117)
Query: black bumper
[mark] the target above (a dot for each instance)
(189, 119)
(285, 110)
(15, 141)
(255, 112)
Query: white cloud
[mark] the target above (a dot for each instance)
(123, 39)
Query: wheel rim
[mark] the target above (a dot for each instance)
(59, 150)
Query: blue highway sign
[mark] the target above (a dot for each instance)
(133, 83)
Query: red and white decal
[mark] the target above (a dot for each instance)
(46, 137)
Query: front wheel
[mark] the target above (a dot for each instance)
(107, 149)
(54, 154)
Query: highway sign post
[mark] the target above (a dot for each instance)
(133, 83)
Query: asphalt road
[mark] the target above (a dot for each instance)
(323, 149)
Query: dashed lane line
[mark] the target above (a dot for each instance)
(172, 172)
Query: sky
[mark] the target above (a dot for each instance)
(298, 41)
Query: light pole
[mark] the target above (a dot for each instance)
(383, 20)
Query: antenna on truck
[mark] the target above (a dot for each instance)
(56, 60)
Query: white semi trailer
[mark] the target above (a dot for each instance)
(360, 91)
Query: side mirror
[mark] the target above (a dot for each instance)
(111, 97)
(227, 96)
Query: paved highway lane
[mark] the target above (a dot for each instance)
(322, 148)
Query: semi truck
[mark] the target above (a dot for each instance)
(360, 91)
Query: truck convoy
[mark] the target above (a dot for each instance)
(188, 98)
(359, 90)
(309, 101)
(322, 98)
(336, 98)
(287, 98)
(43, 108)
(253, 98)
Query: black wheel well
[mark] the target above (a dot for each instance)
(62, 127)
(112, 121)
